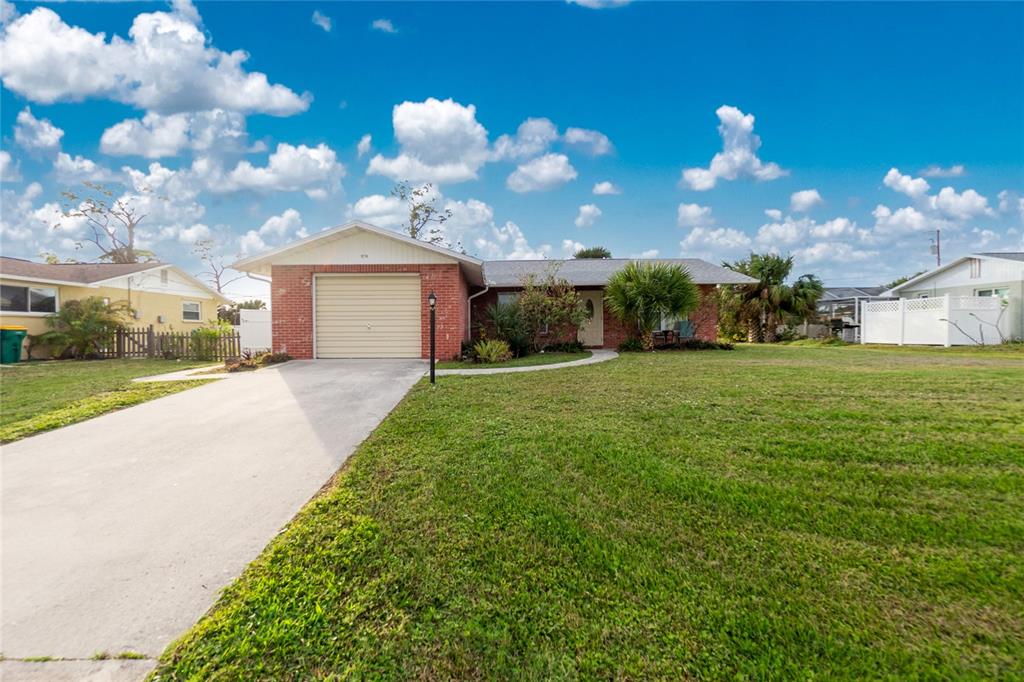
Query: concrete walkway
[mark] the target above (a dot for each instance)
(119, 532)
(595, 357)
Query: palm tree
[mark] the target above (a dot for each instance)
(642, 294)
(762, 306)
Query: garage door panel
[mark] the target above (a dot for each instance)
(368, 316)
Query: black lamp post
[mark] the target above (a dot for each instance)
(432, 300)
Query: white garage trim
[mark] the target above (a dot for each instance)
(386, 302)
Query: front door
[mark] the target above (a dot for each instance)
(591, 332)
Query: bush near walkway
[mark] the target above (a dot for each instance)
(768, 513)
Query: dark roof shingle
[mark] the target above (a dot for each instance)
(596, 271)
(83, 273)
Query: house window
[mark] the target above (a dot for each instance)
(28, 299)
(1003, 293)
(191, 311)
(505, 297)
(975, 268)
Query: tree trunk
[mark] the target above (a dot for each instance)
(648, 340)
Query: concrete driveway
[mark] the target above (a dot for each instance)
(119, 532)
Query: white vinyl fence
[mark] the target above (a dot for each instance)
(254, 329)
(939, 321)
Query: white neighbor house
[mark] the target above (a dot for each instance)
(973, 291)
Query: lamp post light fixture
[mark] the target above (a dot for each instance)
(432, 301)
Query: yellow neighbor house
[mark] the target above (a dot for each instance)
(159, 294)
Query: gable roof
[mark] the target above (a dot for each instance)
(70, 273)
(597, 271)
(89, 274)
(249, 263)
(990, 255)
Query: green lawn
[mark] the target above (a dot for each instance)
(38, 396)
(767, 513)
(525, 361)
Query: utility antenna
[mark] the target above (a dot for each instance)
(936, 248)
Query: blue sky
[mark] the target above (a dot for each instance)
(877, 124)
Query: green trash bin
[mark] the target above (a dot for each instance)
(11, 338)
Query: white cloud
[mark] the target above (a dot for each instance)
(383, 25)
(9, 171)
(384, 211)
(26, 229)
(804, 200)
(534, 136)
(784, 233)
(738, 156)
(288, 169)
(905, 184)
(156, 136)
(1011, 202)
(835, 252)
(510, 243)
(935, 171)
(588, 214)
(278, 229)
(692, 215)
(36, 134)
(964, 206)
(322, 20)
(364, 146)
(7, 12)
(165, 65)
(569, 247)
(649, 253)
(592, 142)
(902, 221)
(75, 169)
(543, 173)
(713, 242)
(606, 187)
(773, 213)
(441, 142)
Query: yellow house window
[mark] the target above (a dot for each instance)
(28, 299)
(191, 311)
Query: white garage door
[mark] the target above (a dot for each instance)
(368, 316)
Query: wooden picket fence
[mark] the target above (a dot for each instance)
(145, 342)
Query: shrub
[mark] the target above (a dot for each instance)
(550, 305)
(631, 345)
(509, 327)
(701, 344)
(564, 347)
(642, 294)
(492, 351)
(83, 327)
(274, 358)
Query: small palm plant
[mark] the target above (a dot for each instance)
(84, 327)
(641, 294)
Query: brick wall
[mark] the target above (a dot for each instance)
(292, 305)
(704, 318)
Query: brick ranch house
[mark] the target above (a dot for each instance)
(360, 291)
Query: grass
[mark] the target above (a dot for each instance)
(40, 396)
(767, 513)
(525, 361)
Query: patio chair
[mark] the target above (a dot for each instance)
(684, 330)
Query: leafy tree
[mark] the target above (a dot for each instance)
(593, 252)
(760, 307)
(112, 221)
(229, 313)
(84, 326)
(551, 306)
(641, 294)
(425, 218)
(509, 327)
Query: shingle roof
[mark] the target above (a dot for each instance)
(1008, 255)
(597, 271)
(84, 273)
(837, 293)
